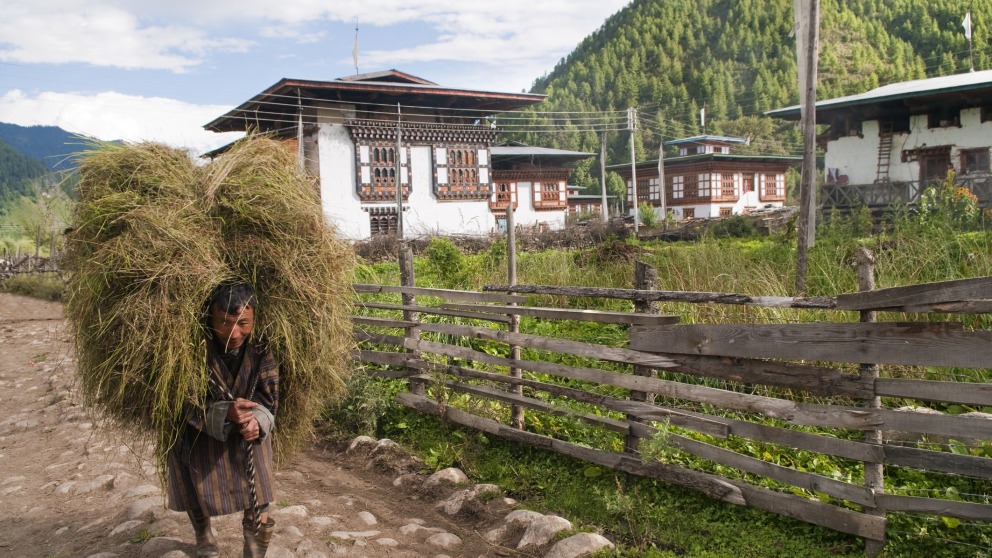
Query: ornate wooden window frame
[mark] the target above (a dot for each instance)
(503, 194)
(550, 194)
(376, 171)
(461, 172)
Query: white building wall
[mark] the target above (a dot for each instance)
(338, 197)
(423, 213)
(857, 157)
(527, 216)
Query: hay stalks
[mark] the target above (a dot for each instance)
(154, 234)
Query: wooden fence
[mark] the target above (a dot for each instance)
(816, 387)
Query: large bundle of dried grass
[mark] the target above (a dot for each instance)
(154, 234)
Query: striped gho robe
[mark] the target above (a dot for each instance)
(207, 468)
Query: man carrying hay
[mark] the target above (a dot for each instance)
(223, 462)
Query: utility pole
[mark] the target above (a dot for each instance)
(399, 173)
(602, 176)
(661, 181)
(807, 17)
(632, 126)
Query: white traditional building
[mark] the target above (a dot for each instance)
(883, 146)
(707, 180)
(349, 132)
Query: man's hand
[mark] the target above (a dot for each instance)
(250, 430)
(240, 412)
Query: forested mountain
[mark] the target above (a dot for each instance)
(49, 144)
(736, 59)
(18, 174)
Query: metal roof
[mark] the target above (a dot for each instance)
(919, 88)
(700, 139)
(710, 156)
(530, 151)
(278, 104)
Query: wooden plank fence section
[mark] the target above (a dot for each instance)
(381, 322)
(963, 393)
(706, 424)
(808, 481)
(670, 296)
(381, 357)
(437, 311)
(570, 314)
(576, 348)
(727, 490)
(811, 511)
(378, 338)
(960, 307)
(913, 344)
(955, 426)
(941, 461)
(949, 508)
(674, 417)
(615, 425)
(818, 380)
(930, 293)
(807, 402)
(447, 294)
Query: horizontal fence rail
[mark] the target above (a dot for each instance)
(694, 388)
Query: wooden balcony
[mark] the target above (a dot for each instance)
(883, 195)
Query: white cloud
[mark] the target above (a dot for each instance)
(118, 33)
(113, 116)
(101, 35)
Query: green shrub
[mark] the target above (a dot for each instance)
(736, 226)
(446, 263)
(646, 213)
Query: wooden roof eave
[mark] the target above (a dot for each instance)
(364, 91)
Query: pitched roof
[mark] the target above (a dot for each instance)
(277, 106)
(918, 88)
(394, 76)
(521, 150)
(703, 139)
(686, 159)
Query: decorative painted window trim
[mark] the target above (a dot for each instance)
(461, 172)
(549, 195)
(375, 164)
(504, 193)
(383, 220)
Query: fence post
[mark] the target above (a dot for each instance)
(407, 280)
(645, 279)
(874, 472)
(516, 411)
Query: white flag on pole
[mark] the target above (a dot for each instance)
(702, 117)
(967, 25)
(354, 50)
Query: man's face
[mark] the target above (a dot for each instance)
(231, 330)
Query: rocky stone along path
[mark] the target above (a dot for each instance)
(72, 487)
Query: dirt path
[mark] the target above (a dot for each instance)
(72, 488)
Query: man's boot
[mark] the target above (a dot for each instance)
(206, 544)
(256, 545)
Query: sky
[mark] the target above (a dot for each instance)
(142, 70)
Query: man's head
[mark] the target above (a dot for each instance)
(231, 314)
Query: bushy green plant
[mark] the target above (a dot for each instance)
(949, 205)
(648, 217)
(735, 226)
(447, 265)
(365, 403)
